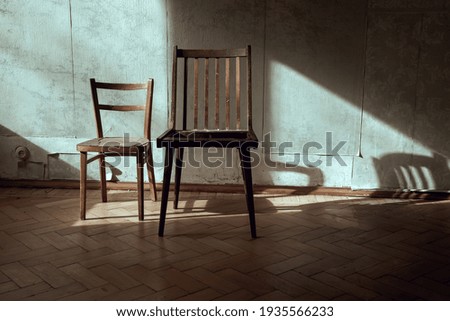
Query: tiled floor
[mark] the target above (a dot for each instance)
(309, 248)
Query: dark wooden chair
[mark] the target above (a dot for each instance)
(209, 82)
(139, 147)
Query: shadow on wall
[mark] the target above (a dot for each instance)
(23, 159)
(292, 173)
(234, 24)
(413, 172)
(48, 52)
(407, 83)
(309, 62)
(405, 76)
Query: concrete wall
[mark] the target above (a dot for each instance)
(366, 80)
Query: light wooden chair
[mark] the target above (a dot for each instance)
(209, 82)
(139, 147)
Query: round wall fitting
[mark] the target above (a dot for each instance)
(22, 153)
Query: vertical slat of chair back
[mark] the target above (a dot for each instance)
(249, 88)
(195, 93)
(204, 94)
(206, 90)
(227, 93)
(173, 114)
(185, 92)
(238, 93)
(217, 94)
(98, 119)
(147, 107)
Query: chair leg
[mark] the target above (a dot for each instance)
(244, 154)
(83, 165)
(103, 178)
(151, 174)
(165, 190)
(140, 184)
(178, 169)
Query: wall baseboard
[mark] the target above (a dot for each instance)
(236, 188)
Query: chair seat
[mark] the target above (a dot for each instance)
(127, 145)
(207, 138)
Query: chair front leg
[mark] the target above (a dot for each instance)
(103, 178)
(83, 165)
(166, 186)
(140, 183)
(244, 154)
(151, 174)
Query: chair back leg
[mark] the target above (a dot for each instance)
(140, 184)
(178, 170)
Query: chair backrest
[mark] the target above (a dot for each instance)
(209, 87)
(146, 106)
